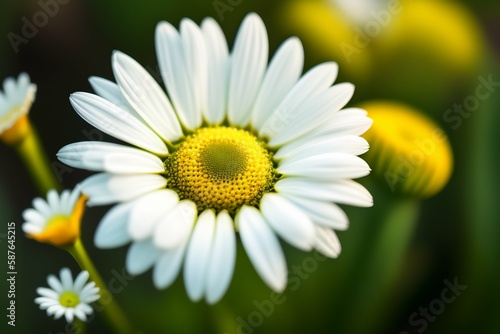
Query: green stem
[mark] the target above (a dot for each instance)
(78, 327)
(378, 279)
(224, 321)
(33, 155)
(112, 311)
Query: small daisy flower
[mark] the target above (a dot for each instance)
(67, 297)
(15, 103)
(237, 145)
(57, 219)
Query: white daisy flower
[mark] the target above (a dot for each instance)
(57, 219)
(236, 145)
(15, 100)
(67, 297)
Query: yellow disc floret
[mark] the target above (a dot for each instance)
(69, 299)
(221, 168)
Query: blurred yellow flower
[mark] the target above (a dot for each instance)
(445, 29)
(57, 220)
(371, 38)
(327, 32)
(408, 150)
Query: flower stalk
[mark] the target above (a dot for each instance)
(24, 139)
(114, 315)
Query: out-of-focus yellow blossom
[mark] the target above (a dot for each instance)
(409, 151)
(445, 29)
(327, 33)
(395, 40)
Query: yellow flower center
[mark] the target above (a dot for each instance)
(69, 299)
(56, 221)
(221, 168)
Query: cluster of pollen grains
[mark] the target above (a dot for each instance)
(220, 168)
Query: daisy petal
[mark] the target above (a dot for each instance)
(59, 313)
(342, 191)
(304, 148)
(218, 71)
(327, 167)
(312, 84)
(92, 298)
(45, 302)
(174, 229)
(148, 211)
(222, 258)
(108, 157)
(112, 230)
(55, 284)
(30, 228)
(176, 76)
(55, 308)
(141, 256)
(34, 217)
(323, 213)
(351, 121)
(168, 266)
(146, 96)
(89, 293)
(10, 89)
(312, 113)
(116, 122)
(249, 60)
(66, 279)
(288, 221)
(88, 289)
(80, 314)
(42, 207)
(73, 197)
(104, 188)
(282, 74)
(327, 242)
(198, 255)
(69, 315)
(111, 92)
(194, 48)
(262, 247)
(351, 193)
(85, 308)
(64, 202)
(48, 293)
(80, 281)
(53, 200)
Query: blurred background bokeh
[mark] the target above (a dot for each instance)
(440, 59)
